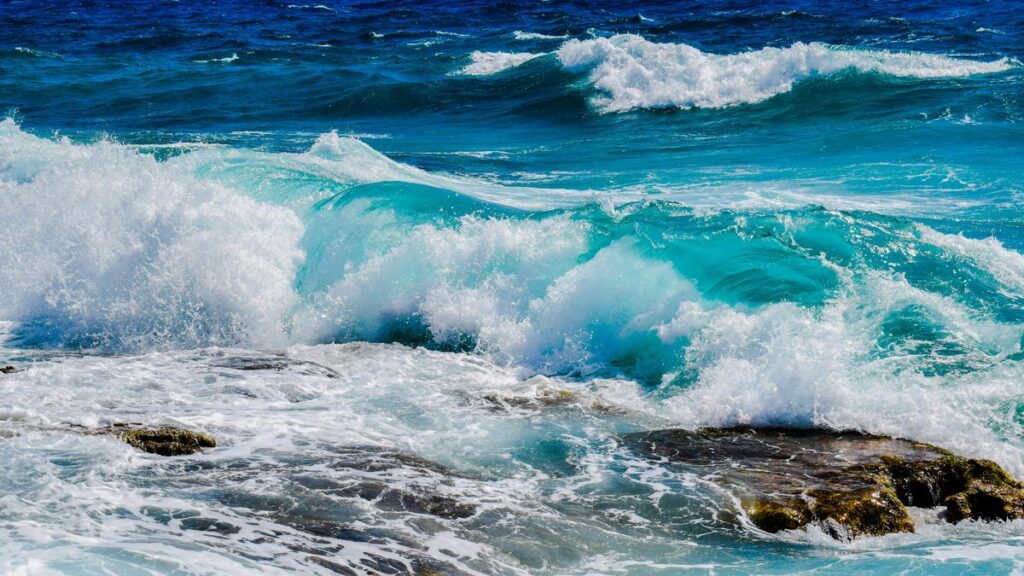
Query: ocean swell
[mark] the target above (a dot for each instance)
(633, 72)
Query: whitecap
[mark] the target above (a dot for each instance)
(520, 35)
(634, 72)
(488, 63)
(225, 60)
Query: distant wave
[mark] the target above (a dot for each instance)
(634, 72)
(36, 53)
(520, 35)
(311, 7)
(487, 63)
(225, 60)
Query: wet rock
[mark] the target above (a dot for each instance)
(968, 488)
(533, 399)
(209, 525)
(162, 441)
(782, 514)
(273, 363)
(873, 510)
(332, 566)
(415, 499)
(847, 483)
(398, 500)
(7, 369)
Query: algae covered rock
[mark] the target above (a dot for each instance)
(778, 515)
(845, 482)
(869, 511)
(163, 441)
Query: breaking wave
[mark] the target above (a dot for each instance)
(633, 72)
(109, 248)
(487, 63)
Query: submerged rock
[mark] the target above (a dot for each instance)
(269, 362)
(394, 499)
(394, 481)
(846, 482)
(163, 441)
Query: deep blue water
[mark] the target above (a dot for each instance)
(742, 212)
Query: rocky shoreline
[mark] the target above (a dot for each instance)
(847, 483)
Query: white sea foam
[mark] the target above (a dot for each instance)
(225, 60)
(788, 365)
(114, 495)
(36, 53)
(1005, 265)
(489, 63)
(586, 314)
(99, 502)
(109, 245)
(637, 73)
(520, 35)
(311, 7)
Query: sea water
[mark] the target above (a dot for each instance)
(456, 249)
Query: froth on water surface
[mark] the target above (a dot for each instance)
(356, 457)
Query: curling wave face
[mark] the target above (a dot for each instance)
(739, 315)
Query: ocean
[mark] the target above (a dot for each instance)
(418, 266)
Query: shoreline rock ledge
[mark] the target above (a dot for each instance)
(164, 441)
(847, 483)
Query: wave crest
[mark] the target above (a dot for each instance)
(488, 63)
(637, 73)
(108, 248)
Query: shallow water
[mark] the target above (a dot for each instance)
(458, 251)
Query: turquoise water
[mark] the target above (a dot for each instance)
(437, 218)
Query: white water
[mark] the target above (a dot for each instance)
(487, 63)
(633, 72)
(89, 503)
(637, 73)
(104, 241)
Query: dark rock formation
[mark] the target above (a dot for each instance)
(395, 499)
(848, 483)
(162, 441)
(7, 369)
